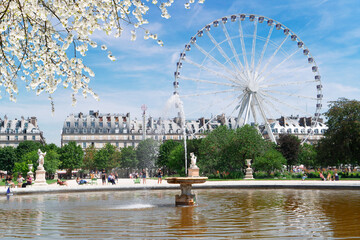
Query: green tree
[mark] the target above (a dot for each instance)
(89, 158)
(308, 156)
(226, 149)
(31, 158)
(71, 156)
(289, 146)
(8, 158)
(128, 157)
(107, 157)
(164, 152)
(341, 142)
(147, 152)
(21, 168)
(27, 146)
(176, 161)
(51, 161)
(271, 161)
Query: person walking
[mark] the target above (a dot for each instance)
(159, 175)
(143, 176)
(103, 177)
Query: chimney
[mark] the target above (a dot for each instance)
(33, 121)
(22, 122)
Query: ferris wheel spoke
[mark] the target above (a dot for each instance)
(253, 111)
(264, 47)
(219, 48)
(284, 73)
(210, 93)
(221, 75)
(289, 94)
(232, 46)
(286, 84)
(215, 116)
(271, 105)
(253, 49)
(207, 81)
(284, 103)
(243, 48)
(282, 62)
(273, 55)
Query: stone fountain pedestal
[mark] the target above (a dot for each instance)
(186, 197)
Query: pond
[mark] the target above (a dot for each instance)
(220, 214)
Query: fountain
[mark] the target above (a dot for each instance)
(186, 197)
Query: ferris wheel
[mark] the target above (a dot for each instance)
(251, 68)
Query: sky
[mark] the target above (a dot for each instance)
(144, 71)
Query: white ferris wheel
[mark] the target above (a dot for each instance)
(251, 68)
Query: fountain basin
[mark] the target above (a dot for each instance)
(186, 198)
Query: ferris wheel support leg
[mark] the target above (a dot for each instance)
(267, 125)
(248, 108)
(242, 108)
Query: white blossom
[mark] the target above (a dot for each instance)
(42, 42)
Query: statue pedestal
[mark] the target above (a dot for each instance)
(40, 178)
(193, 172)
(249, 174)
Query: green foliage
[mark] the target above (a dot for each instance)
(226, 149)
(27, 146)
(341, 144)
(164, 152)
(8, 158)
(89, 158)
(21, 168)
(71, 156)
(308, 156)
(147, 152)
(128, 157)
(51, 161)
(176, 160)
(107, 157)
(31, 158)
(271, 161)
(289, 146)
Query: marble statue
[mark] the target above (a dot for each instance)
(193, 160)
(41, 158)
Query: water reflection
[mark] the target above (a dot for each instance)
(221, 214)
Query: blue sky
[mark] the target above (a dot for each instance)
(143, 72)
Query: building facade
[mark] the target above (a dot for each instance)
(97, 129)
(12, 132)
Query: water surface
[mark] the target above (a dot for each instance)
(220, 214)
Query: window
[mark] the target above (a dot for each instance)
(84, 124)
(76, 130)
(100, 124)
(8, 138)
(316, 131)
(76, 124)
(100, 130)
(84, 130)
(26, 125)
(84, 144)
(109, 124)
(108, 131)
(92, 130)
(24, 138)
(67, 130)
(68, 124)
(17, 138)
(133, 137)
(124, 144)
(289, 130)
(156, 137)
(93, 124)
(117, 144)
(33, 138)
